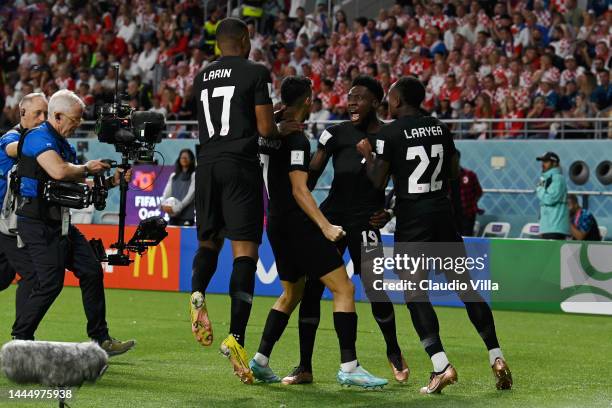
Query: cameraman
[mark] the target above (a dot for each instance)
(32, 112)
(51, 242)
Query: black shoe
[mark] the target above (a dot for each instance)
(114, 347)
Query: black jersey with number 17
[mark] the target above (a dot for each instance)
(419, 151)
(227, 92)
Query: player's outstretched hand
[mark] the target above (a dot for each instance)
(365, 148)
(380, 218)
(286, 127)
(333, 232)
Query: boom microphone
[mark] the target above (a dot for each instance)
(54, 364)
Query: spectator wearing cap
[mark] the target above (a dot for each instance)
(417, 64)
(552, 194)
(583, 225)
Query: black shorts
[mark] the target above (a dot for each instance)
(229, 201)
(432, 227)
(300, 248)
(358, 240)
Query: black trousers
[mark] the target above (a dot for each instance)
(467, 225)
(15, 261)
(51, 254)
(7, 272)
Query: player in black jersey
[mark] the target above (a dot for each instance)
(302, 240)
(233, 108)
(356, 205)
(419, 152)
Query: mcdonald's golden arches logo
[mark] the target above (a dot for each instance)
(151, 256)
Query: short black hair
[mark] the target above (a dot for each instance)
(371, 84)
(411, 91)
(294, 88)
(573, 198)
(231, 30)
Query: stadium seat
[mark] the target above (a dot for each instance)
(110, 218)
(530, 230)
(603, 231)
(497, 229)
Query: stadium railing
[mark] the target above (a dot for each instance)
(555, 128)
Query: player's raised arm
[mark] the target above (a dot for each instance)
(317, 165)
(377, 168)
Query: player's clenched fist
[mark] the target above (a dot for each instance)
(365, 148)
(333, 232)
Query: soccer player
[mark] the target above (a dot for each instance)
(234, 107)
(420, 153)
(302, 241)
(357, 206)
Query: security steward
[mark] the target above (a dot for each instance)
(51, 242)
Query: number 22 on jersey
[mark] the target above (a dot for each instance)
(414, 187)
(227, 92)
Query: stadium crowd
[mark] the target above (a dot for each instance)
(508, 59)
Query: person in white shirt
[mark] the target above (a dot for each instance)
(471, 28)
(127, 29)
(147, 60)
(60, 7)
(317, 114)
(29, 57)
(297, 59)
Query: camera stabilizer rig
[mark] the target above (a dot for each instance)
(134, 135)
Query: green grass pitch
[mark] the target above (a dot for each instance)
(557, 360)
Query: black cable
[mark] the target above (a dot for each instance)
(155, 180)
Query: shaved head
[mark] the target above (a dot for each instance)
(231, 31)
